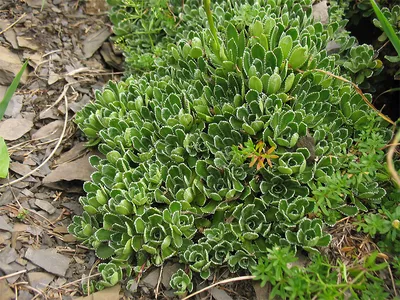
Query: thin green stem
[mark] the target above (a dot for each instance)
(207, 8)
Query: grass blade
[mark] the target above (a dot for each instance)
(4, 159)
(11, 90)
(387, 28)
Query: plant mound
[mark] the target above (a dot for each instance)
(239, 140)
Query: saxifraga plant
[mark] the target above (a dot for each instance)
(178, 177)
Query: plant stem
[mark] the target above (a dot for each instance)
(207, 8)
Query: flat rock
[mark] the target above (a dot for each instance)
(10, 269)
(72, 154)
(10, 65)
(168, 270)
(8, 255)
(9, 34)
(4, 225)
(7, 197)
(79, 169)
(109, 56)
(94, 41)
(14, 106)
(49, 260)
(5, 291)
(53, 77)
(111, 293)
(262, 293)
(40, 280)
(320, 12)
(21, 169)
(150, 280)
(51, 113)
(219, 294)
(333, 47)
(50, 131)
(46, 206)
(76, 106)
(24, 42)
(13, 129)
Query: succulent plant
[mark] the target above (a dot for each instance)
(232, 145)
(309, 235)
(111, 274)
(181, 282)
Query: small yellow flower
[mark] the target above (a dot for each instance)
(396, 224)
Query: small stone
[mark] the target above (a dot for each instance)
(10, 269)
(219, 294)
(8, 255)
(320, 12)
(5, 291)
(50, 131)
(46, 206)
(40, 280)
(9, 34)
(4, 224)
(53, 78)
(27, 43)
(150, 280)
(49, 260)
(10, 65)
(14, 106)
(24, 295)
(79, 169)
(167, 273)
(95, 41)
(13, 129)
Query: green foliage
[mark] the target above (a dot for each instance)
(111, 275)
(362, 64)
(319, 279)
(183, 173)
(181, 282)
(4, 158)
(387, 26)
(384, 226)
(143, 29)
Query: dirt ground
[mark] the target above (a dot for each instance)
(70, 56)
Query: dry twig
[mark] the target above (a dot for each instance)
(158, 282)
(11, 25)
(12, 274)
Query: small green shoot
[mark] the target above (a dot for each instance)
(11, 90)
(4, 159)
